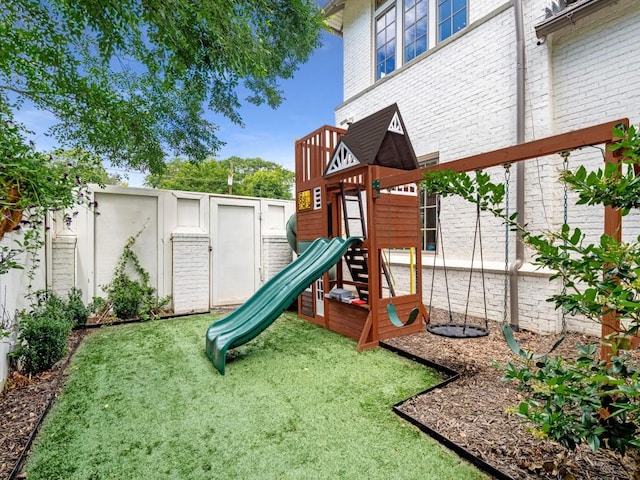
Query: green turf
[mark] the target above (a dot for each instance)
(298, 402)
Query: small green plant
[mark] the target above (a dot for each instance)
(77, 311)
(125, 296)
(129, 297)
(98, 305)
(42, 333)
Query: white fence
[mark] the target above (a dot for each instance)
(204, 250)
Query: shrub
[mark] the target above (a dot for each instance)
(77, 312)
(131, 298)
(43, 334)
(125, 296)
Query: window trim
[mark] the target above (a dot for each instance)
(424, 161)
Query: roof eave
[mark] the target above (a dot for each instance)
(570, 15)
(332, 11)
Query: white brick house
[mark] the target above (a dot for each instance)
(470, 76)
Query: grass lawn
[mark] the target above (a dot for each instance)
(298, 402)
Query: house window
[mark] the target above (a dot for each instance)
(386, 43)
(428, 214)
(452, 17)
(417, 26)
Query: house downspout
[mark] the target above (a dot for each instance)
(515, 265)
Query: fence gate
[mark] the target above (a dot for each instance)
(235, 256)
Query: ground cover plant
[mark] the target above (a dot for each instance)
(142, 401)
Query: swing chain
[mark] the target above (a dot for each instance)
(507, 178)
(565, 168)
(565, 218)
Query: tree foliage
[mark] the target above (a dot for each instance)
(252, 177)
(32, 185)
(88, 166)
(131, 79)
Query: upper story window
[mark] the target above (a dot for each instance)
(386, 42)
(415, 28)
(452, 17)
(405, 29)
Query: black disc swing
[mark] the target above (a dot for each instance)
(453, 328)
(391, 308)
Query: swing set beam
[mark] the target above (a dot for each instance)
(595, 135)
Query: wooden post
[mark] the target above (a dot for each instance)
(374, 254)
(612, 228)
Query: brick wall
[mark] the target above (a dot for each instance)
(190, 272)
(63, 264)
(459, 99)
(277, 255)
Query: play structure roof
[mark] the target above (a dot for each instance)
(379, 139)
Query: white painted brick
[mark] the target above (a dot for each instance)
(277, 254)
(63, 264)
(190, 272)
(459, 99)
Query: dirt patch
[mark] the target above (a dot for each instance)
(22, 402)
(472, 411)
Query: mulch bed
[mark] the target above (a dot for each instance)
(22, 402)
(471, 411)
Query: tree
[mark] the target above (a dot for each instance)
(586, 399)
(128, 80)
(33, 184)
(252, 177)
(89, 168)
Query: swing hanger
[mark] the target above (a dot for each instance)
(507, 331)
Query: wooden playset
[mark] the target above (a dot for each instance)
(336, 196)
(363, 182)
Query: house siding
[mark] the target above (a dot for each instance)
(459, 99)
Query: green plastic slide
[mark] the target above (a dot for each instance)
(266, 305)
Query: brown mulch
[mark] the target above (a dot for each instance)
(472, 411)
(22, 402)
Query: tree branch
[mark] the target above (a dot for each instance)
(17, 90)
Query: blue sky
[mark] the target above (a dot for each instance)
(310, 99)
(309, 102)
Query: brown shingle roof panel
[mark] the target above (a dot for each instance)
(371, 142)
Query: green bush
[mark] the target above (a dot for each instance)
(43, 334)
(77, 312)
(133, 298)
(125, 296)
